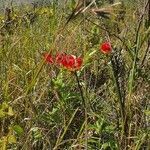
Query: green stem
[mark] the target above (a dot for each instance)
(85, 110)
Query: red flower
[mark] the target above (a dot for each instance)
(59, 58)
(106, 48)
(79, 62)
(48, 58)
(71, 62)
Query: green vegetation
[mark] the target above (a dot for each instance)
(102, 106)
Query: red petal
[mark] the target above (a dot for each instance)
(79, 62)
(59, 58)
(71, 61)
(48, 58)
(106, 47)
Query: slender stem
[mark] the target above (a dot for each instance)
(121, 103)
(148, 44)
(80, 87)
(85, 110)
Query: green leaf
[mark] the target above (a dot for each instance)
(18, 130)
(36, 133)
(2, 113)
(147, 112)
(10, 111)
(4, 105)
(3, 143)
(105, 145)
(11, 139)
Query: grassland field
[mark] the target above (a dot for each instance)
(75, 75)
